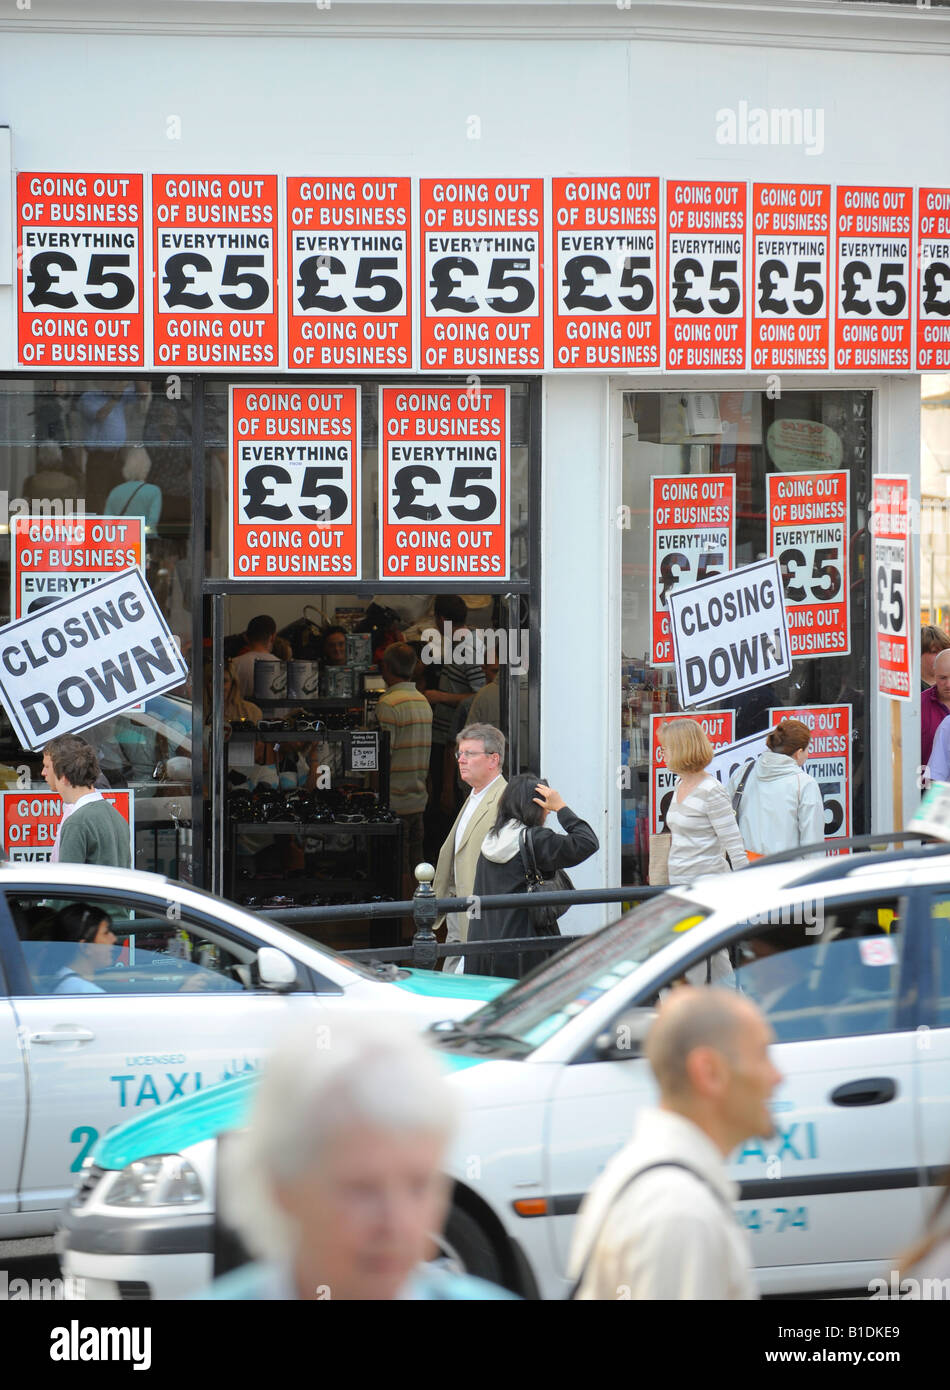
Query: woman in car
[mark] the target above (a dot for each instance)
(88, 930)
(704, 837)
(779, 805)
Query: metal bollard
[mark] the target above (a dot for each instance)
(425, 954)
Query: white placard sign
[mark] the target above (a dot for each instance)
(729, 760)
(78, 662)
(730, 633)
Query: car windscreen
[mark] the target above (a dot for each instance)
(552, 994)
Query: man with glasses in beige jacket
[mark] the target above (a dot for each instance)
(480, 751)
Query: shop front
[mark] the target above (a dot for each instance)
(324, 385)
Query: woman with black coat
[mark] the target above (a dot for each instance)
(524, 806)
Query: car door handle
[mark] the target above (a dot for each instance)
(59, 1035)
(873, 1090)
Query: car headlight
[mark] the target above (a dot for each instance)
(166, 1180)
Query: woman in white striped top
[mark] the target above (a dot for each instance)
(705, 836)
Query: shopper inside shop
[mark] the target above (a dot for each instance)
(406, 715)
(334, 646)
(261, 632)
(448, 684)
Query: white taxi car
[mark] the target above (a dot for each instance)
(850, 961)
(193, 990)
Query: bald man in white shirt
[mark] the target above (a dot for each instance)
(659, 1223)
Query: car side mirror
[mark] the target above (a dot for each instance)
(624, 1039)
(275, 969)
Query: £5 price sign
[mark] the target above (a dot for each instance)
(295, 481)
(53, 558)
(692, 537)
(828, 760)
(482, 287)
(443, 477)
(790, 257)
(606, 266)
(214, 257)
(349, 294)
(706, 233)
(933, 279)
(808, 535)
(889, 525)
(719, 727)
(875, 240)
(80, 299)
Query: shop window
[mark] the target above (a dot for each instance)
(748, 436)
(120, 449)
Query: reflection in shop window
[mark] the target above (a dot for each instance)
(798, 438)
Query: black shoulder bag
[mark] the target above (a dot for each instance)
(542, 919)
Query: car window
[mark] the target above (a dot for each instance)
(823, 970)
(547, 998)
(940, 960)
(154, 951)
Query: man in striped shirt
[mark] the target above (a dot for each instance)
(406, 715)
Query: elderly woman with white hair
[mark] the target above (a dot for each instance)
(337, 1185)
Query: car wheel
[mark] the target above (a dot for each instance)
(465, 1248)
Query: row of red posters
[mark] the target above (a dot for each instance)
(247, 272)
(692, 537)
(828, 761)
(443, 482)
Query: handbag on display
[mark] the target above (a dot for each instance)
(658, 871)
(542, 919)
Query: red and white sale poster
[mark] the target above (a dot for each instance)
(719, 727)
(606, 267)
(53, 558)
(791, 246)
(80, 296)
(482, 289)
(874, 230)
(692, 537)
(214, 267)
(889, 524)
(933, 279)
(295, 481)
(443, 480)
(31, 819)
(706, 235)
(808, 535)
(349, 259)
(828, 760)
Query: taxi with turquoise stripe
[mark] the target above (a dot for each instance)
(848, 958)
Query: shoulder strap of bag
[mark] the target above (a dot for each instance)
(128, 501)
(737, 794)
(663, 1163)
(528, 861)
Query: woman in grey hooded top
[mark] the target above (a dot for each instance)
(780, 806)
(524, 806)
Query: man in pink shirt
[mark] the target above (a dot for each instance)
(934, 705)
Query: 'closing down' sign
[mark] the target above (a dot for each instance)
(75, 663)
(730, 633)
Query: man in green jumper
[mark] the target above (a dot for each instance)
(91, 830)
